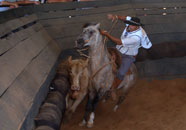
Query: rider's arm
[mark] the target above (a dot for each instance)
(123, 18)
(114, 17)
(114, 39)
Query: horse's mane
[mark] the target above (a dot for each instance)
(89, 24)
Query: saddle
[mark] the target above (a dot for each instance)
(116, 56)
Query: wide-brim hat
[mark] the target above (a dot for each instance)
(134, 21)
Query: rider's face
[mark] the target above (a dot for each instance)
(132, 28)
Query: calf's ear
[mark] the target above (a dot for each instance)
(70, 60)
(86, 62)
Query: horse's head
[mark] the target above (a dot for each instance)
(89, 35)
(77, 68)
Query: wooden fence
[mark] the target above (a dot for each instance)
(27, 56)
(30, 45)
(164, 22)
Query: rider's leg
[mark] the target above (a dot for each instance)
(125, 65)
(115, 84)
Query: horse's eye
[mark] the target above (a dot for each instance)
(91, 32)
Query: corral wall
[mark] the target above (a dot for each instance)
(32, 37)
(27, 57)
(164, 22)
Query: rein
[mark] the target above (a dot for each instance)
(113, 25)
(100, 69)
(81, 53)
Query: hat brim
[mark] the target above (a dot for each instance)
(132, 23)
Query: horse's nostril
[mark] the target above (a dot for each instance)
(74, 87)
(80, 41)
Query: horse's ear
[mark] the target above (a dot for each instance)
(98, 25)
(70, 60)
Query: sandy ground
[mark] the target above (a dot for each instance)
(150, 105)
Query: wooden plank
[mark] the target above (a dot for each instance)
(123, 7)
(161, 11)
(16, 23)
(74, 5)
(149, 19)
(165, 28)
(27, 84)
(6, 16)
(68, 42)
(156, 1)
(159, 38)
(13, 39)
(28, 19)
(83, 12)
(97, 4)
(14, 61)
(9, 26)
(63, 29)
(161, 19)
(81, 18)
(19, 12)
(159, 5)
(163, 67)
(172, 49)
(145, 19)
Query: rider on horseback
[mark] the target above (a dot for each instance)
(132, 38)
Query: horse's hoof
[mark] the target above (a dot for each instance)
(90, 125)
(115, 108)
(83, 123)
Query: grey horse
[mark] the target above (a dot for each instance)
(101, 71)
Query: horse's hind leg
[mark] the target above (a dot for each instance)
(125, 91)
(107, 96)
(120, 100)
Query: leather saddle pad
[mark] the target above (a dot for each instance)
(117, 58)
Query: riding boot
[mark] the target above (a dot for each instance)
(115, 84)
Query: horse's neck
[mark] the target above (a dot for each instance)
(99, 55)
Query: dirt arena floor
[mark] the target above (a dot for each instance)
(150, 105)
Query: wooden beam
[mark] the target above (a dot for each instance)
(14, 61)
(12, 40)
(11, 25)
(19, 97)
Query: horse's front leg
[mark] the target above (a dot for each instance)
(97, 98)
(88, 108)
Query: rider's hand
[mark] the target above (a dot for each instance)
(112, 17)
(103, 32)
